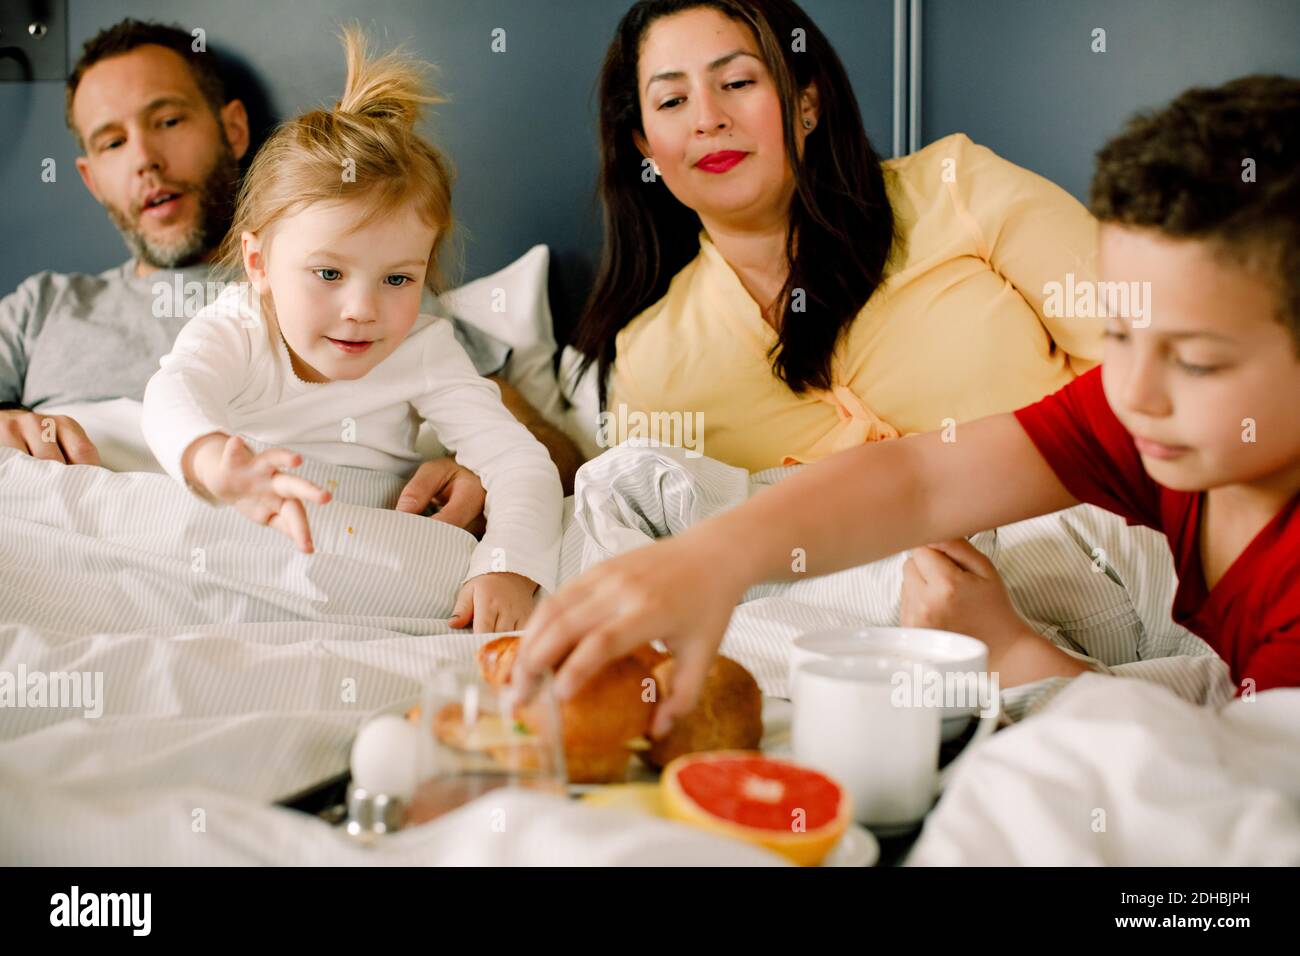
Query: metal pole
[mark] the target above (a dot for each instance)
(900, 77)
(914, 79)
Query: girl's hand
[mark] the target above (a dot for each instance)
(225, 468)
(497, 601)
(951, 586)
(679, 591)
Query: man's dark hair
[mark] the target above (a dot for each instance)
(127, 35)
(1220, 164)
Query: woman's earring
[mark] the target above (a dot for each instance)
(807, 123)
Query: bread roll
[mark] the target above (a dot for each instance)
(608, 711)
(728, 715)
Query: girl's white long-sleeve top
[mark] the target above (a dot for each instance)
(229, 371)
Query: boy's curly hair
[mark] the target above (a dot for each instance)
(1220, 164)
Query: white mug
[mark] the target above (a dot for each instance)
(858, 720)
(961, 658)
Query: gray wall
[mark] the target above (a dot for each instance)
(1019, 76)
(520, 126)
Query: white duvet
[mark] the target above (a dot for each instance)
(236, 671)
(1123, 773)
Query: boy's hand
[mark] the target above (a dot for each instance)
(951, 586)
(225, 468)
(680, 591)
(499, 601)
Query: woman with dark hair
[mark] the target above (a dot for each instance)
(766, 272)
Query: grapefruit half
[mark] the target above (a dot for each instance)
(792, 810)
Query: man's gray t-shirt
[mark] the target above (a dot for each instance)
(80, 338)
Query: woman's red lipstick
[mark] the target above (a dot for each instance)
(720, 162)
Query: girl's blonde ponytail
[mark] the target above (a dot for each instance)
(392, 87)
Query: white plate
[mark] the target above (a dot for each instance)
(856, 848)
(778, 718)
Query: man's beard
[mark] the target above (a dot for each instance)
(216, 201)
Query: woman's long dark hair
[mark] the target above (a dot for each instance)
(840, 212)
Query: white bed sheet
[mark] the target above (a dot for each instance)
(236, 671)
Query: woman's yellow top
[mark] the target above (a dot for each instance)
(957, 331)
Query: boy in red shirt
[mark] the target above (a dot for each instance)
(1191, 426)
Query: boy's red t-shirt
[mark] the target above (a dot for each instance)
(1252, 615)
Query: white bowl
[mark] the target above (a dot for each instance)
(948, 652)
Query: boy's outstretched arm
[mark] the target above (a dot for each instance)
(856, 506)
(870, 502)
